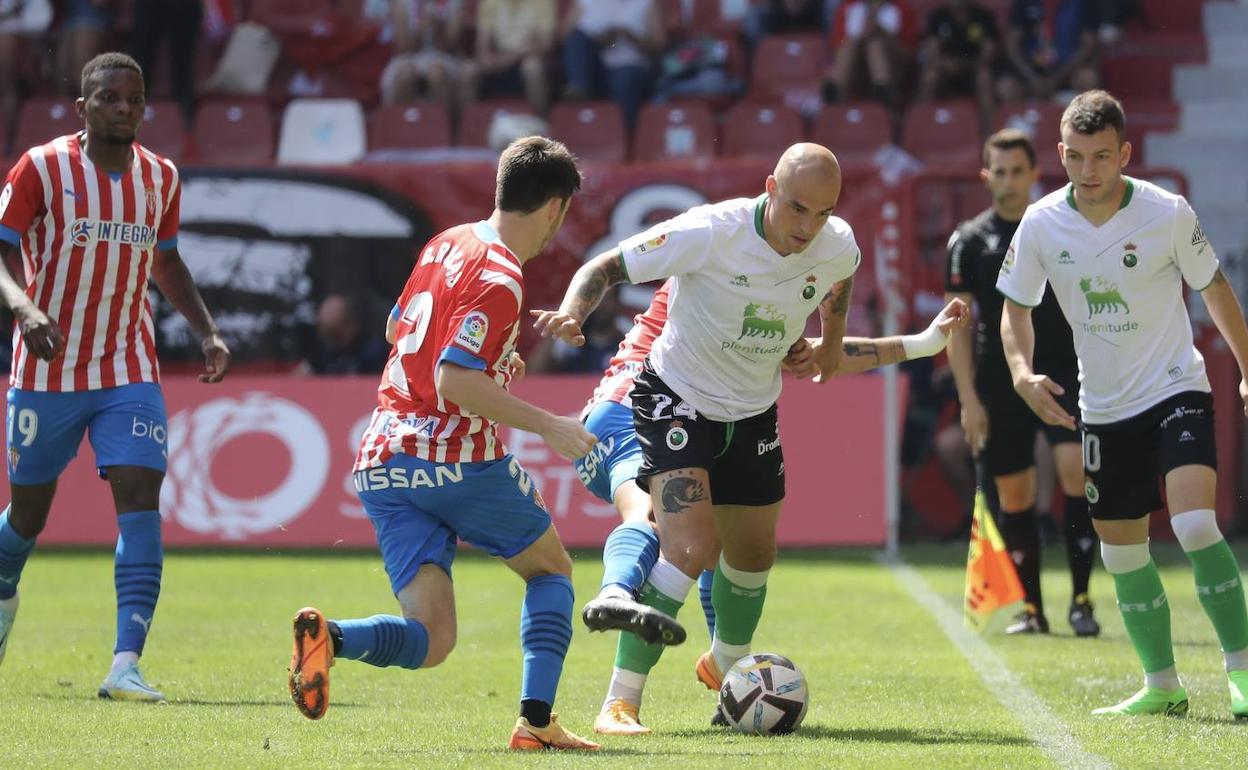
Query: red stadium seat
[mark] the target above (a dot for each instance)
(943, 134)
(754, 129)
(1042, 121)
(674, 132)
(409, 126)
(853, 131)
(784, 63)
(162, 131)
(592, 130)
(42, 120)
(234, 132)
(474, 122)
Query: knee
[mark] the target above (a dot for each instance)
(555, 562)
(690, 556)
(755, 557)
(26, 522)
(441, 630)
(441, 641)
(136, 496)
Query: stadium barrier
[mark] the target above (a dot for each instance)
(266, 462)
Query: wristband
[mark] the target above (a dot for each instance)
(929, 343)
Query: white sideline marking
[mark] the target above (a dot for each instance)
(1043, 726)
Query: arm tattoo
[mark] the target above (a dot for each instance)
(836, 301)
(591, 282)
(857, 349)
(681, 493)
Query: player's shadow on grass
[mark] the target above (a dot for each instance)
(920, 737)
(283, 702)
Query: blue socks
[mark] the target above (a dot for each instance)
(384, 640)
(136, 574)
(628, 556)
(545, 631)
(14, 550)
(705, 581)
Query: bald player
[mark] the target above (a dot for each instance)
(745, 275)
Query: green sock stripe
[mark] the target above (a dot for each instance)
(631, 653)
(1146, 616)
(1221, 592)
(737, 610)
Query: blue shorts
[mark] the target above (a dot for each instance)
(617, 455)
(421, 509)
(126, 425)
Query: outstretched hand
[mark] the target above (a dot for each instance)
(956, 315)
(1039, 391)
(555, 323)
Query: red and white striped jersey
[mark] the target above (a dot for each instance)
(617, 381)
(461, 304)
(88, 239)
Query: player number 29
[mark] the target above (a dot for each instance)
(27, 424)
(1091, 452)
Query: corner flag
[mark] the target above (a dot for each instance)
(991, 580)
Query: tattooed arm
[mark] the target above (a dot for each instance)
(861, 354)
(584, 293)
(833, 311)
(1228, 316)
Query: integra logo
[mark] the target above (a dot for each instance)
(84, 232)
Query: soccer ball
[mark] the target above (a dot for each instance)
(764, 694)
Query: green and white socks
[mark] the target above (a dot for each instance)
(738, 597)
(1146, 612)
(665, 590)
(1218, 584)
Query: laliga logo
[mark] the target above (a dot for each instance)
(80, 233)
(195, 437)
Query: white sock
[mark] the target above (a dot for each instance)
(123, 659)
(1121, 559)
(614, 591)
(670, 581)
(627, 685)
(1166, 679)
(1196, 530)
(1236, 661)
(727, 654)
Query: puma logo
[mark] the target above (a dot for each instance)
(137, 618)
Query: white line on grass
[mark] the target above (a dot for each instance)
(1046, 728)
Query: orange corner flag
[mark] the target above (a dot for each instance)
(991, 580)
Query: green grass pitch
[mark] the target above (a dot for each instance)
(888, 688)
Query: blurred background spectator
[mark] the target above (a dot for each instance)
(1051, 46)
(958, 55)
(610, 47)
(20, 22)
(83, 27)
(425, 36)
(175, 24)
(348, 340)
(874, 38)
(514, 41)
(779, 17)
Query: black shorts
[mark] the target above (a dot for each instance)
(1125, 461)
(742, 458)
(1012, 426)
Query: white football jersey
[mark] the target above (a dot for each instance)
(736, 306)
(1120, 286)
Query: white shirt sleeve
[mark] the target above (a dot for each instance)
(1022, 277)
(679, 245)
(1192, 251)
